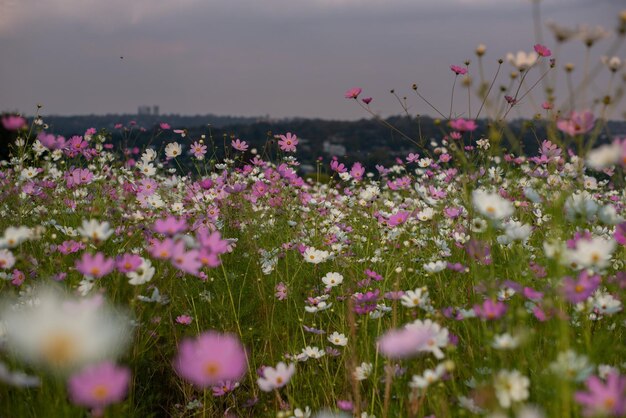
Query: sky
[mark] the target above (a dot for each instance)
(282, 58)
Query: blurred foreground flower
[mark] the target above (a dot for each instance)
(99, 385)
(210, 359)
(13, 123)
(63, 333)
(578, 123)
(604, 399)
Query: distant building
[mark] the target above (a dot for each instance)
(334, 149)
(148, 110)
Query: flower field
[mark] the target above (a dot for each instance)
(468, 279)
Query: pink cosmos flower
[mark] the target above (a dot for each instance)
(128, 262)
(458, 70)
(353, 93)
(13, 122)
(99, 385)
(398, 218)
(210, 359)
(367, 100)
(547, 105)
(78, 176)
(463, 125)
(602, 399)
(490, 310)
(187, 261)
(577, 291)
(95, 266)
(288, 142)
(403, 342)
(184, 319)
(337, 166)
(281, 291)
(578, 123)
(17, 277)
(357, 171)
(162, 250)
(50, 141)
(165, 126)
(240, 145)
(224, 388)
(198, 150)
(542, 50)
(170, 226)
(620, 233)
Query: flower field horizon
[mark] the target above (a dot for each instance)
(198, 279)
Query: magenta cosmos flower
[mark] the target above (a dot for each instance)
(99, 385)
(604, 399)
(210, 359)
(353, 93)
(458, 70)
(542, 50)
(578, 123)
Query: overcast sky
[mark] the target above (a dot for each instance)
(284, 58)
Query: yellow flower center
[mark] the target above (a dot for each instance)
(100, 392)
(211, 369)
(59, 349)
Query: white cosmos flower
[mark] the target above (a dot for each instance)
(505, 342)
(93, 229)
(418, 297)
(7, 259)
(315, 256)
(148, 155)
(63, 333)
(338, 339)
(438, 338)
(14, 236)
(332, 279)
(311, 352)
(29, 173)
(143, 274)
(491, 205)
(435, 266)
(594, 253)
(363, 371)
(147, 169)
(274, 378)
(511, 386)
(604, 156)
(522, 60)
(173, 150)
